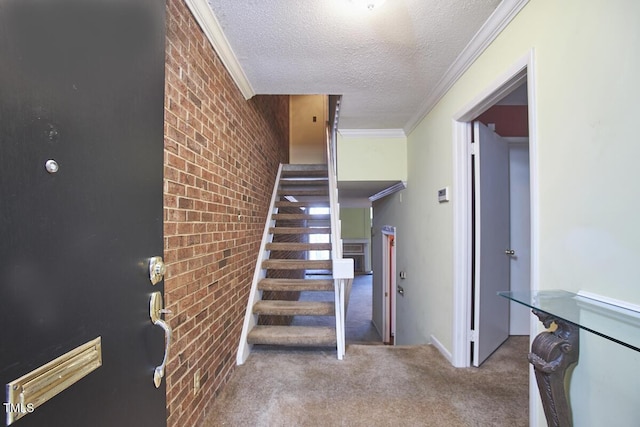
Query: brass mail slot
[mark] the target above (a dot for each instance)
(33, 389)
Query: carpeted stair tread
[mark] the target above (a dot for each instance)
(303, 204)
(306, 217)
(293, 335)
(297, 167)
(297, 264)
(292, 246)
(300, 230)
(303, 191)
(305, 181)
(319, 173)
(296, 285)
(310, 201)
(294, 308)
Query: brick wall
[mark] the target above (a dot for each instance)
(221, 158)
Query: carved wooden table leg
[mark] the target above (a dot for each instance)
(552, 353)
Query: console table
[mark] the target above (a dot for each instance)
(553, 352)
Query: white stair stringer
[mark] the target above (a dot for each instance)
(255, 295)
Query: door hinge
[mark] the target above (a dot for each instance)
(472, 335)
(472, 148)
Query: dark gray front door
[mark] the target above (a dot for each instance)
(82, 83)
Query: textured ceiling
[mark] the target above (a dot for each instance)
(384, 62)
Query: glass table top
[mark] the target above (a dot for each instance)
(612, 322)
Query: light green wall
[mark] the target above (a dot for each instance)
(372, 158)
(586, 65)
(356, 223)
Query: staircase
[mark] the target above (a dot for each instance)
(284, 263)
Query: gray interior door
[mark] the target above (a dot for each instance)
(491, 312)
(82, 83)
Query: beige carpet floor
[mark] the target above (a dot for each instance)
(374, 386)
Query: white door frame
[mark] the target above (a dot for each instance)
(388, 331)
(521, 70)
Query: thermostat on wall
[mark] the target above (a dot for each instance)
(443, 195)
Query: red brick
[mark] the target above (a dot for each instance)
(221, 157)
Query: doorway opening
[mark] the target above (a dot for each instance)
(500, 223)
(388, 284)
(467, 253)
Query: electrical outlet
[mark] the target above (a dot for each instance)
(196, 382)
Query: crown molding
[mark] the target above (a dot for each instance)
(213, 31)
(401, 185)
(372, 133)
(499, 19)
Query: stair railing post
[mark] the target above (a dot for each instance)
(342, 268)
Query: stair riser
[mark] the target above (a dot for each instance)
(304, 172)
(293, 308)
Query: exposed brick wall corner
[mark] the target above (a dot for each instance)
(220, 161)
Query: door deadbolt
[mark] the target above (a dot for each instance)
(509, 252)
(156, 269)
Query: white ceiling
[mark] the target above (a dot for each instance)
(386, 62)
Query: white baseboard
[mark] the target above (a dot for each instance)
(375, 325)
(442, 349)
